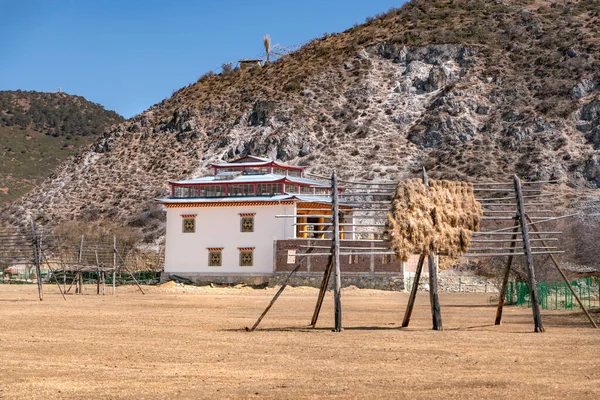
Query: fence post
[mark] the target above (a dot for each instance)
(36, 260)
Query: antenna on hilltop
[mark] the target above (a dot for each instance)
(59, 90)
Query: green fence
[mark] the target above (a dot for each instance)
(556, 295)
(123, 278)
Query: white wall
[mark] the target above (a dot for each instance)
(220, 227)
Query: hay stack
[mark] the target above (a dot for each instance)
(442, 219)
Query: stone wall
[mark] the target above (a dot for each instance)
(363, 281)
(448, 281)
(451, 281)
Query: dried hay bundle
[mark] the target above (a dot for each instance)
(442, 220)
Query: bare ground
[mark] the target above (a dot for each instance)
(177, 342)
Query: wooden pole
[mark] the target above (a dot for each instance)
(337, 291)
(537, 318)
(80, 250)
(322, 290)
(130, 273)
(281, 289)
(504, 283)
(98, 277)
(562, 274)
(52, 271)
(36, 260)
(436, 314)
(114, 275)
(324, 281)
(413, 292)
(80, 273)
(74, 281)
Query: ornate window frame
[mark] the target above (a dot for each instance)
(247, 222)
(215, 256)
(188, 223)
(246, 256)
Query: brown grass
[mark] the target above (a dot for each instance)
(189, 343)
(441, 219)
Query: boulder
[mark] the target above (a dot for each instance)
(591, 172)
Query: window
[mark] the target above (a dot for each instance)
(321, 191)
(294, 172)
(306, 190)
(212, 191)
(189, 225)
(387, 258)
(268, 189)
(215, 257)
(185, 191)
(291, 188)
(246, 257)
(256, 171)
(279, 171)
(247, 224)
(241, 190)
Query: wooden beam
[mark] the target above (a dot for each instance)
(337, 290)
(504, 283)
(323, 289)
(413, 292)
(537, 317)
(562, 274)
(36, 260)
(274, 299)
(436, 314)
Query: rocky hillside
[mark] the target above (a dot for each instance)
(471, 89)
(38, 131)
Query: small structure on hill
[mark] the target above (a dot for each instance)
(250, 64)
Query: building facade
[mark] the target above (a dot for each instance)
(229, 222)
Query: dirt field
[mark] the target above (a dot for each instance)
(188, 342)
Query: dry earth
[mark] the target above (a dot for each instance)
(188, 342)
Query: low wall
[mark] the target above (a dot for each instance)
(203, 279)
(362, 281)
(448, 281)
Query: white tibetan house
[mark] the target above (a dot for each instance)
(226, 224)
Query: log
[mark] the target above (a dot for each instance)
(36, 260)
(562, 274)
(436, 314)
(337, 291)
(537, 318)
(504, 283)
(413, 292)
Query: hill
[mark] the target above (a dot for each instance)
(470, 89)
(38, 131)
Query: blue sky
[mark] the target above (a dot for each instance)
(128, 55)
